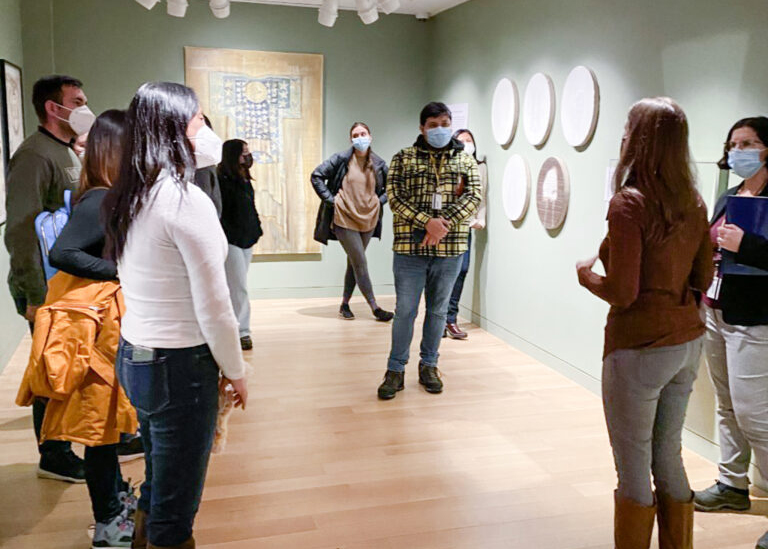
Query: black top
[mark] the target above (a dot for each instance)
(239, 217)
(744, 298)
(208, 181)
(79, 248)
(327, 179)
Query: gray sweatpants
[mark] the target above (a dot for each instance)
(236, 268)
(737, 357)
(645, 395)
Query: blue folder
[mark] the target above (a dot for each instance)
(750, 213)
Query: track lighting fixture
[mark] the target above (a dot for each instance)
(328, 13)
(220, 8)
(149, 4)
(177, 8)
(367, 11)
(389, 6)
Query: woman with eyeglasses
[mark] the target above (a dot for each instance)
(736, 343)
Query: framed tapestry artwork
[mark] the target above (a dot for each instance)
(274, 102)
(12, 106)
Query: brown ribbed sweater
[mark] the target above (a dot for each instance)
(649, 285)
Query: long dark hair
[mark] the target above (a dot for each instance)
(230, 161)
(465, 130)
(155, 140)
(103, 151)
(757, 123)
(655, 160)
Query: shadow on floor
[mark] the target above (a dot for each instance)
(18, 424)
(26, 500)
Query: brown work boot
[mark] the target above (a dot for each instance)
(393, 382)
(453, 331)
(429, 376)
(189, 544)
(139, 530)
(632, 523)
(675, 522)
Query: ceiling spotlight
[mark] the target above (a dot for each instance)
(149, 4)
(220, 8)
(177, 8)
(367, 11)
(389, 6)
(328, 13)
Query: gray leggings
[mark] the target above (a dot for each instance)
(645, 395)
(354, 244)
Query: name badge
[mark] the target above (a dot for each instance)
(714, 289)
(437, 201)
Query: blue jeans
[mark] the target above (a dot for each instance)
(175, 392)
(435, 276)
(458, 287)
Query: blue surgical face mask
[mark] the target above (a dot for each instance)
(361, 143)
(439, 137)
(745, 163)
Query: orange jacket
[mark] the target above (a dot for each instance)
(72, 363)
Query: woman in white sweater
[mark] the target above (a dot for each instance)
(179, 332)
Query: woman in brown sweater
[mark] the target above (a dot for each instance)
(656, 253)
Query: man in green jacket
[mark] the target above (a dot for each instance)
(41, 169)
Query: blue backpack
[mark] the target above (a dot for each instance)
(48, 226)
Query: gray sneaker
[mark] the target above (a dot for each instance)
(114, 534)
(721, 496)
(762, 543)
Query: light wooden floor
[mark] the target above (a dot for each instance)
(511, 455)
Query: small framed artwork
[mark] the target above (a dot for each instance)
(12, 108)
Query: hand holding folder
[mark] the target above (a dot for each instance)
(750, 213)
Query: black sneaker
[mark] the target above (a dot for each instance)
(64, 466)
(245, 343)
(382, 315)
(721, 496)
(393, 382)
(132, 448)
(429, 376)
(345, 312)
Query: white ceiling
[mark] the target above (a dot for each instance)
(413, 7)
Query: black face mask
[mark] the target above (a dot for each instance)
(247, 161)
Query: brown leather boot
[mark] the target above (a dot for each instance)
(140, 530)
(189, 544)
(675, 522)
(632, 523)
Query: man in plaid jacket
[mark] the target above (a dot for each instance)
(433, 188)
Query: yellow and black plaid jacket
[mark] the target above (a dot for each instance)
(411, 184)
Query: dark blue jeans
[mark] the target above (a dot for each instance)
(458, 287)
(434, 276)
(175, 392)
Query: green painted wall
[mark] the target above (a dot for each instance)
(375, 73)
(11, 325)
(707, 55)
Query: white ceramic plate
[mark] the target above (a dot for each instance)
(538, 109)
(505, 111)
(516, 188)
(580, 106)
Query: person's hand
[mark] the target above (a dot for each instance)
(241, 390)
(30, 312)
(583, 266)
(729, 237)
(438, 227)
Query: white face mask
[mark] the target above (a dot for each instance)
(469, 148)
(80, 119)
(208, 147)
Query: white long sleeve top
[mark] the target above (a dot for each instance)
(173, 280)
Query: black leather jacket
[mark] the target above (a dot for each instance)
(327, 179)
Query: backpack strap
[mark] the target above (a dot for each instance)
(68, 201)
